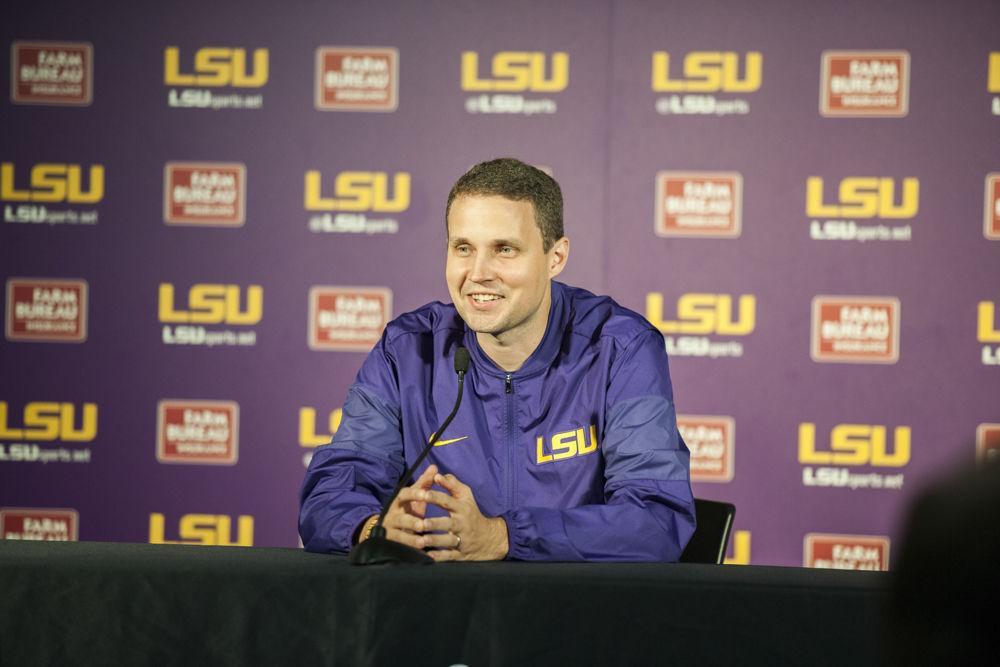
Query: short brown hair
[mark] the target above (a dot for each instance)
(513, 179)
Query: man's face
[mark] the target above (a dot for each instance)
(497, 272)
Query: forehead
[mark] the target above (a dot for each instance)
(488, 217)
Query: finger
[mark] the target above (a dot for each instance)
(442, 523)
(441, 540)
(409, 494)
(442, 555)
(417, 508)
(441, 500)
(426, 477)
(453, 484)
(409, 539)
(405, 522)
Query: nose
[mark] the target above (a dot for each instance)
(482, 270)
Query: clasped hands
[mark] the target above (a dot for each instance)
(465, 534)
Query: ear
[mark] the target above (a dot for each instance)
(557, 256)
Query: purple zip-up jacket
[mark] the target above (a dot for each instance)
(578, 450)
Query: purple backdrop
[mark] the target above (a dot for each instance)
(604, 132)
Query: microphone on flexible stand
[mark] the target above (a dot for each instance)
(380, 549)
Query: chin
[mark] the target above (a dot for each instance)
(482, 327)
(480, 324)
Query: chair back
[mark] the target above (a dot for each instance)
(711, 536)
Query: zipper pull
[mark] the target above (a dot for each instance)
(508, 385)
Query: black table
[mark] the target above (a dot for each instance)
(102, 603)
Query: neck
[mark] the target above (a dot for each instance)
(510, 349)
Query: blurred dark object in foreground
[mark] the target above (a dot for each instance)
(946, 581)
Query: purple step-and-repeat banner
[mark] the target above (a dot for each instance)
(211, 210)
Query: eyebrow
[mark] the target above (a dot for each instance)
(495, 242)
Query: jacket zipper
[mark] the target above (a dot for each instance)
(509, 390)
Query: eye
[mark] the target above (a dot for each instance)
(462, 250)
(506, 251)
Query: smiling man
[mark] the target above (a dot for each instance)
(566, 445)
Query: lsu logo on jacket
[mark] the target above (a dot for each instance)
(566, 445)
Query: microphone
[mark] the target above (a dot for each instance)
(378, 548)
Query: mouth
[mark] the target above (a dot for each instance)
(483, 300)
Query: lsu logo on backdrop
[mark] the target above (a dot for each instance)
(510, 76)
(991, 212)
(41, 430)
(52, 73)
(988, 333)
(203, 530)
(309, 437)
(36, 523)
(210, 304)
(51, 183)
(703, 319)
(993, 81)
(855, 329)
(699, 204)
(846, 552)
(352, 78)
(862, 200)
(701, 78)
(853, 445)
(740, 549)
(988, 443)
(194, 78)
(206, 194)
(711, 441)
(46, 310)
(355, 195)
(566, 445)
(865, 84)
(347, 318)
(200, 432)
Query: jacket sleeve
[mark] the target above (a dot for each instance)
(349, 479)
(648, 513)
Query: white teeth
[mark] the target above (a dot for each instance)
(483, 298)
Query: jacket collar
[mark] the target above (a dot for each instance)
(546, 352)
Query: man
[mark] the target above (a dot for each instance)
(565, 446)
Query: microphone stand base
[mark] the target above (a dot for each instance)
(379, 550)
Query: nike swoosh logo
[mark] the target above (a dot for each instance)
(442, 443)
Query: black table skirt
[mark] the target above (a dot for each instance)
(102, 603)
